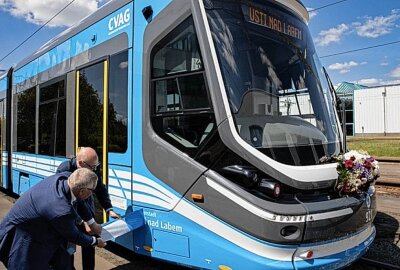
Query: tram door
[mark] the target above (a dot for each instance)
(91, 115)
(2, 138)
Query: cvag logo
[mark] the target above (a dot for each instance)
(119, 20)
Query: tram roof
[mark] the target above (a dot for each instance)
(73, 30)
(296, 6)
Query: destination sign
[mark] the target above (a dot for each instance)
(260, 17)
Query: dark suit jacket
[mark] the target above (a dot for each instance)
(100, 191)
(40, 221)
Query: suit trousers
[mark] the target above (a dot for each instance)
(88, 254)
(28, 254)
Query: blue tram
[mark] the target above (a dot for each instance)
(214, 117)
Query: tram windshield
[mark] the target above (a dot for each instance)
(278, 92)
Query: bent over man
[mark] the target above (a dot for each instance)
(43, 219)
(87, 158)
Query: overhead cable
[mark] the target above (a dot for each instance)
(360, 49)
(37, 30)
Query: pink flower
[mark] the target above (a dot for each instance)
(368, 165)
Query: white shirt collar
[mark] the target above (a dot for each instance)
(73, 198)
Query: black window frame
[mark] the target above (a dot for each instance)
(17, 143)
(57, 99)
(155, 115)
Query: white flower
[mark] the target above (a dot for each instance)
(358, 156)
(375, 164)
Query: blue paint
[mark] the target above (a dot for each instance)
(338, 260)
(3, 84)
(140, 25)
(126, 158)
(4, 180)
(94, 35)
(173, 237)
(34, 165)
(28, 71)
(171, 243)
(24, 184)
(15, 181)
(208, 250)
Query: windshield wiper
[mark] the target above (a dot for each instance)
(297, 51)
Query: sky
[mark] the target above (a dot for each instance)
(355, 24)
(344, 26)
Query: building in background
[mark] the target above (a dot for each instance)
(377, 110)
(371, 110)
(345, 92)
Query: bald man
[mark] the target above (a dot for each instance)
(87, 158)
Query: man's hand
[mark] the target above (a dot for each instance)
(101, 243)
(114, 215)
(93, 229)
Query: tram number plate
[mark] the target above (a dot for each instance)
(368, 216)
(368, 213)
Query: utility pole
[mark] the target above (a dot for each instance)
(384, 111)
(344, 124)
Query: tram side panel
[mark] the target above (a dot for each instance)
(176, 229)
(32, 158)
(105, 40)
(167, 234)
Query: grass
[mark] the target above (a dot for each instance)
(376, 146)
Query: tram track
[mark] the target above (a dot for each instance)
(394, 184)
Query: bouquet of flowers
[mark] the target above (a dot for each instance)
(356, 170)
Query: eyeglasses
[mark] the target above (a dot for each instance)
(91, 189)
(92, 167)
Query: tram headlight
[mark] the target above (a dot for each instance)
(248, 177)
(245, 176)
(270, 187)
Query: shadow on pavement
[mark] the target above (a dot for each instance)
(141, 262)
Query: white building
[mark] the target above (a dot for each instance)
(377, 110)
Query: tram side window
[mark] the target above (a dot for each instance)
(118, 103)
(26, 112)
(52, 119)
(181, 107)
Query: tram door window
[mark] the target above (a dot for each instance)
(90, 107)
(52, 119)
(2, 138)
(118, 104)
(91, 112)
(25, 106)
(181, 107)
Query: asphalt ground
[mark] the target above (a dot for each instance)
(102, 263)
(390, 172)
